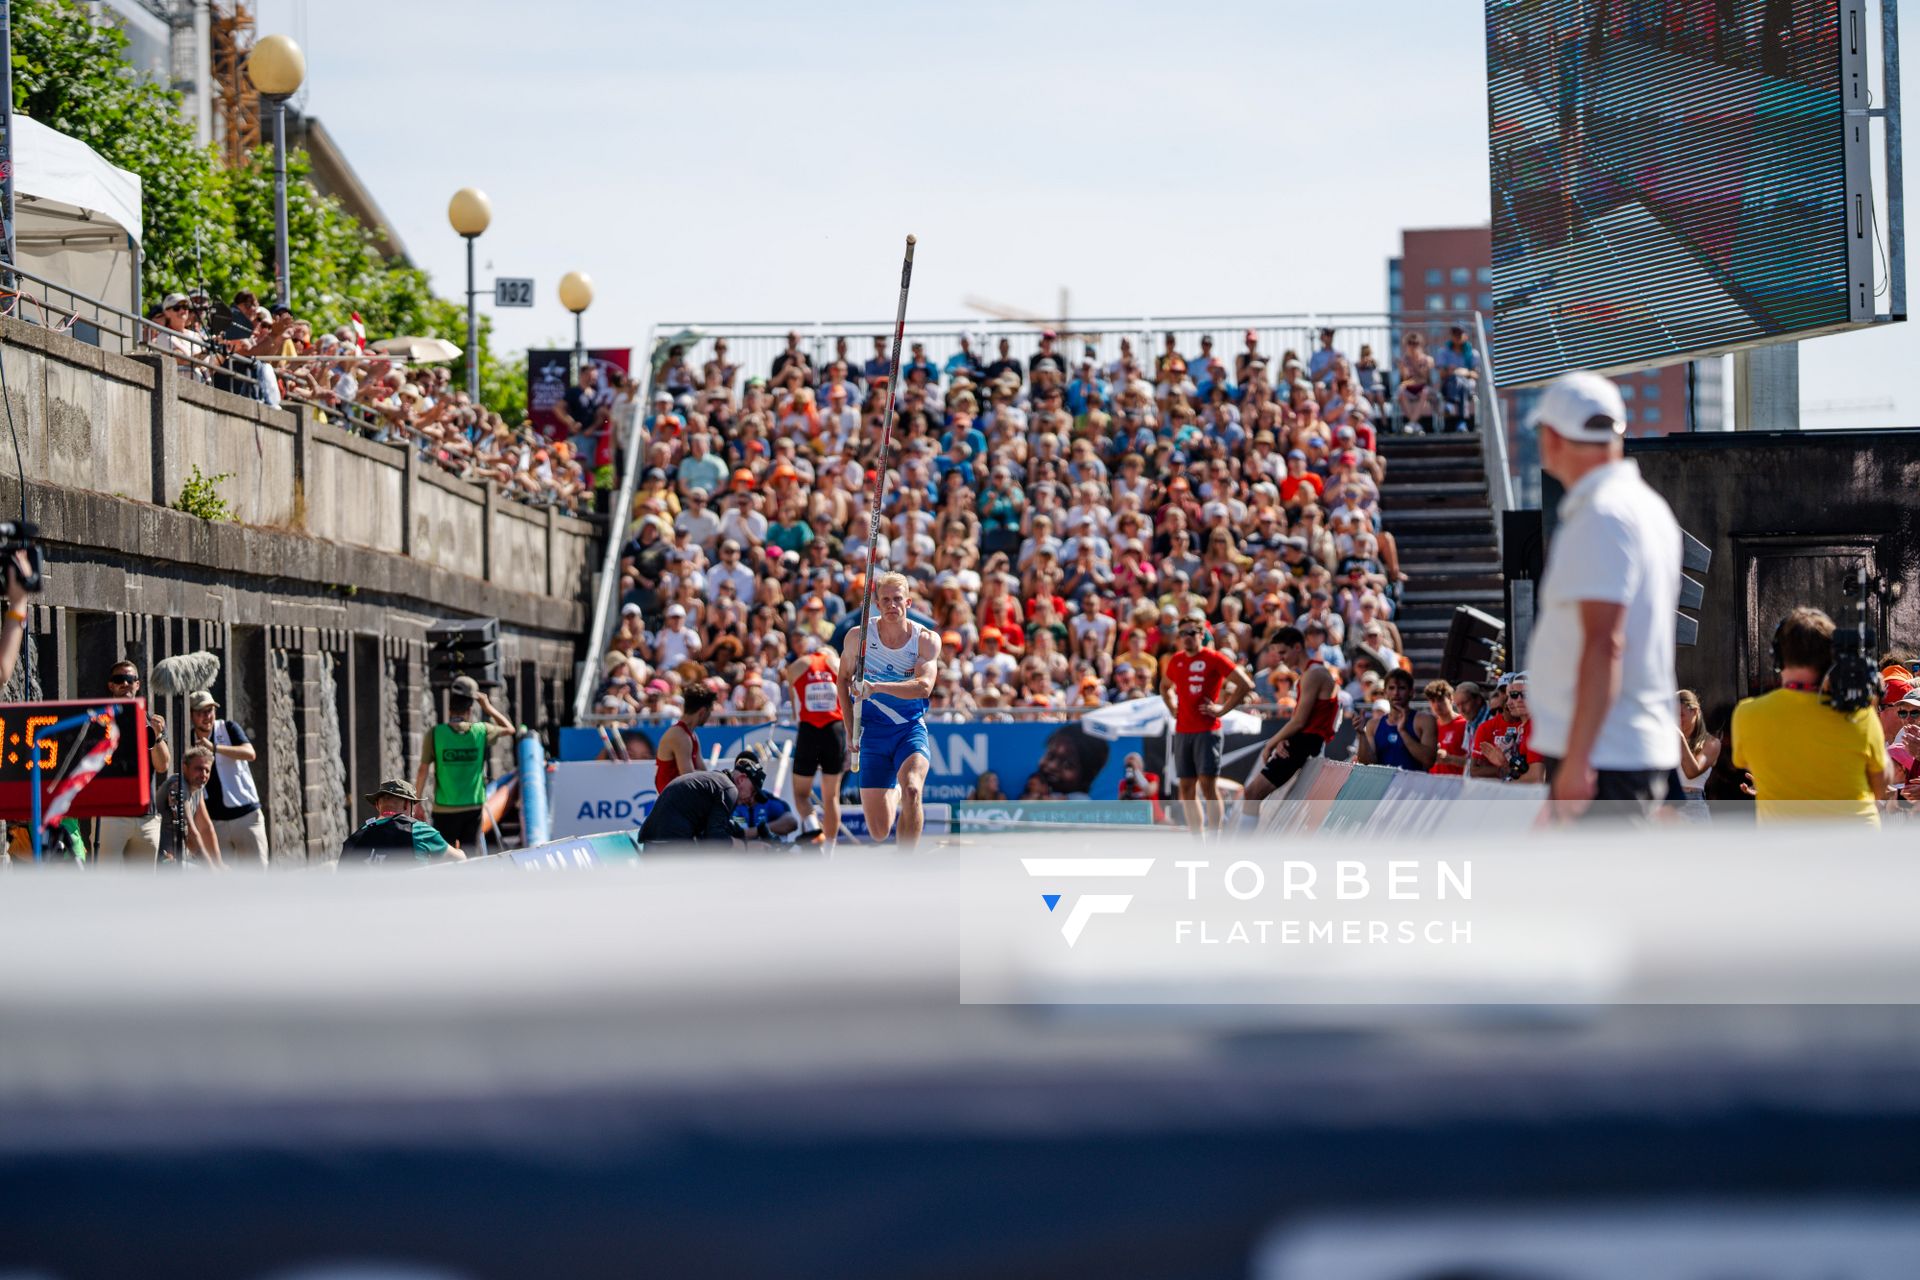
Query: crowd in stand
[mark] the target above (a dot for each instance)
(1058, 515)
(270, 354)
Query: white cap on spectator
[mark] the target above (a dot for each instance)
(1581, 406)
(629, 610)
(676, 611)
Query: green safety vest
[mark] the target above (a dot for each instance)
(459, 766)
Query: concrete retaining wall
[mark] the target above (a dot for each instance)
(316, 597)
(131, 428)
(356, 490)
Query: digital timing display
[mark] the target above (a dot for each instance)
(1672, 178)
(122, 786)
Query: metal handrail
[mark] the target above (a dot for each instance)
(1092, 324)
(1493, 438)
(618, 516)
(136, 333)
(754, 342)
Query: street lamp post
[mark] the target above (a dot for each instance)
(276, 67)
(576, 295)
(469, 211)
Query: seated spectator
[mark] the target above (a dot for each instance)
(1501, 745)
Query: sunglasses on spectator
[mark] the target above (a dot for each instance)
(123, 679)
(1515, 693)
(1909, 715)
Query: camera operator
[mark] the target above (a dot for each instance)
(1138, 783)
(13, 630)
(1808, 759)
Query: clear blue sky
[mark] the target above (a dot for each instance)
(763, 161)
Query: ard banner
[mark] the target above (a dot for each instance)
(1026, 761)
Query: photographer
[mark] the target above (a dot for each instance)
(1137, 783)
(1809, 760)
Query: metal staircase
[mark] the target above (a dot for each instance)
(1435, 501)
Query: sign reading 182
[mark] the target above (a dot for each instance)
(513, 291)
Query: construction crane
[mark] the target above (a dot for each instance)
(1001, 311)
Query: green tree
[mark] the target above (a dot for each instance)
(206, 224)
(70, 72)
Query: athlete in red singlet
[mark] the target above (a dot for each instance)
(820, 743)
(1324, 718)
(1315, 717)
(679, 749)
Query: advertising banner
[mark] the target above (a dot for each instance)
(594, 796)
(1028, 761)
(548, 376)
(600, 795)
(1025, 815)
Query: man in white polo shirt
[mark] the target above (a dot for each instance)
(1600, 662)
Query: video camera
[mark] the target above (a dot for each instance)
(1854, 681)
(18, 535)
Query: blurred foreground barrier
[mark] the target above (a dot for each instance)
(977, 816)
(1334, 797)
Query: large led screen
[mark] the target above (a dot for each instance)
(1673, 178)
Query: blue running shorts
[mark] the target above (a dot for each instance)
(884, 748)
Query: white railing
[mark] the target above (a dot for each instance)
(753, 345)
(1493, 436)
(618, 516)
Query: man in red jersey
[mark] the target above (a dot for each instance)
(1192, 681)
(679, 750)
(1316, 714)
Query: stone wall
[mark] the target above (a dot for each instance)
(316, 598)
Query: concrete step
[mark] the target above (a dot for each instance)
(1479, 597)
(1406, 522)
(1415, 458)
(1444, 566)
(1468, 497)
(1400, 442)
(1452, 586)
(1448, 453)
(1425, 551)
(1447, 532)
(1427, 470)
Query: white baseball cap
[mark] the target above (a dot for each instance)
(1581, 406)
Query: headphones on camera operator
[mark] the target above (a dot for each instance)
(1852, 681)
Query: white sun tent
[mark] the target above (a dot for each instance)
(76, 218)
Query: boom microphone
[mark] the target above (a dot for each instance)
(185, 673)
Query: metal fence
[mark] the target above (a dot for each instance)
(754, 346)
